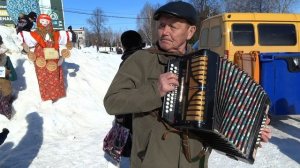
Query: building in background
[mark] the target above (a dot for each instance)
(80, 37)
(4, 17)
(54, 8)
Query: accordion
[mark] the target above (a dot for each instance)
(217, 101)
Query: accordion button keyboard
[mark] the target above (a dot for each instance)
(170, 101)
(170, 97)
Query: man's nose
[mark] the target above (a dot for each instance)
(165, 29)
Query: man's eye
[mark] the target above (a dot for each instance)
(173, 26)
(162, 25)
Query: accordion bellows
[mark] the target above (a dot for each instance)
(217, 101)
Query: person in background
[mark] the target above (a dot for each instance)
(25, 22)
(131, 42)
(22, 21)
(7, 74)
(78, 44)
(140, 84)
(3, 135)
(74, 37)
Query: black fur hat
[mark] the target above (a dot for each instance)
(131, 39)
(32, 15)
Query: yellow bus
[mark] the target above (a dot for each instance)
(229, 34)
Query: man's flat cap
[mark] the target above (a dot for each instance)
(178, 9)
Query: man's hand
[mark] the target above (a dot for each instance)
(167, 82)
(266, 132)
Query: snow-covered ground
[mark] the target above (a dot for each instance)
(70, 132)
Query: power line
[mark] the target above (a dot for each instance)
(91, 14)
(109, 16)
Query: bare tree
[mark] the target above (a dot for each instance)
(104, 38)
(110, 37)
(284, 6)
(146, 24)
(117, 39)
(96, 22)
(271, 6)
(205, 9)
(88, 38)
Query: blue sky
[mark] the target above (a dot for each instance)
(296, 7)
(123, 8)
(119, 8)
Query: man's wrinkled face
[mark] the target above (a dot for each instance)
(173, 33)
(44, 22)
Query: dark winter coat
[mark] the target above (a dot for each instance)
(126, 119)
(3, 135)
(74, 37)
(134, 89)
(12, 74)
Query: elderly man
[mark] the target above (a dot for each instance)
(140, 84)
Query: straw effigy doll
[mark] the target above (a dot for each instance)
(47, 48)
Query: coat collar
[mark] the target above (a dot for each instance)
(164, 56)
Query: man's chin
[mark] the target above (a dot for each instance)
(164, 46)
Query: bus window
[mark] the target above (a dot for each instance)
(215, 36)
(204, 38)
(243, 34)
(277, 34)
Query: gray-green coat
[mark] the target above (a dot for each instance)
(134, 90)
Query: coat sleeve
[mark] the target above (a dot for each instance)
(64, 37)
(26, 37)
(133, 89)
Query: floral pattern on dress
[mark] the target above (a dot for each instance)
(51, 83)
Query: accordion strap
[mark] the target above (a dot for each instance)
(184, 134)
(169, 129)
(186, 145)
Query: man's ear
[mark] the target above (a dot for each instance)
(191, 32)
